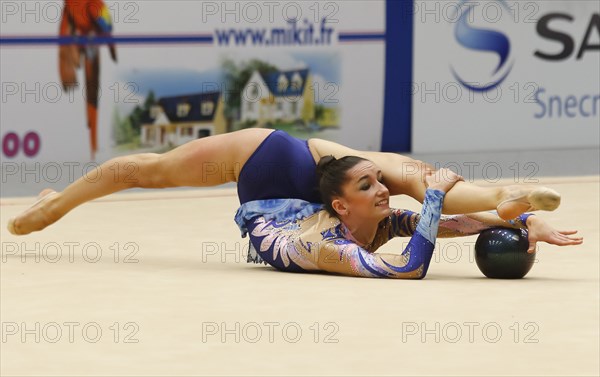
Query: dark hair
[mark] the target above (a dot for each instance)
(331, 175)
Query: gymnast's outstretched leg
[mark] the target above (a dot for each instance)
(403, 175)
(204, 162)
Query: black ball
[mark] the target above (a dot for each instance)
(501, 253)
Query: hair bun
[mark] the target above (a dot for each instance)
(324, 162)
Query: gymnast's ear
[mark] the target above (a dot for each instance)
(339, 206)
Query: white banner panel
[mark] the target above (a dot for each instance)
(506, 75)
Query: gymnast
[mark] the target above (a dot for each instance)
(314, 205)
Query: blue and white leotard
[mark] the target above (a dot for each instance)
(295, 235)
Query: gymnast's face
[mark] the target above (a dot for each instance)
(364, 194)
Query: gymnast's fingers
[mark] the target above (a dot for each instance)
(560, 240)
(567, 235)
(567, 232)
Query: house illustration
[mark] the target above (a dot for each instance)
(282, 96)
(176, 120)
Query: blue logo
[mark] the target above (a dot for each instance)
(482, 40)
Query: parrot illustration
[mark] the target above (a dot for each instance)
(85, 19)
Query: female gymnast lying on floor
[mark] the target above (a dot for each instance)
(332, 221)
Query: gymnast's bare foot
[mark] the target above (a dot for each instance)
(36, 217)
(520, 199)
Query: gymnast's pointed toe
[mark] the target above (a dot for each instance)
(544, 199)
(11, 227)
(521, 200)
(37, 217)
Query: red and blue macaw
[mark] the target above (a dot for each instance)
(85, 19)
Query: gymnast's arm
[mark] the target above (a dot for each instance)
(403, 223)
(350, 259)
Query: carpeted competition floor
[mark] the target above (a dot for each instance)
(156, 283)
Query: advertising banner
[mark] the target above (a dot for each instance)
(83, 81)
(505, 75)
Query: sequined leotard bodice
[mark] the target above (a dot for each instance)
(294, 235)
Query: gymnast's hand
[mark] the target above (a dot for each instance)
(539, 230)
(443, 179)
